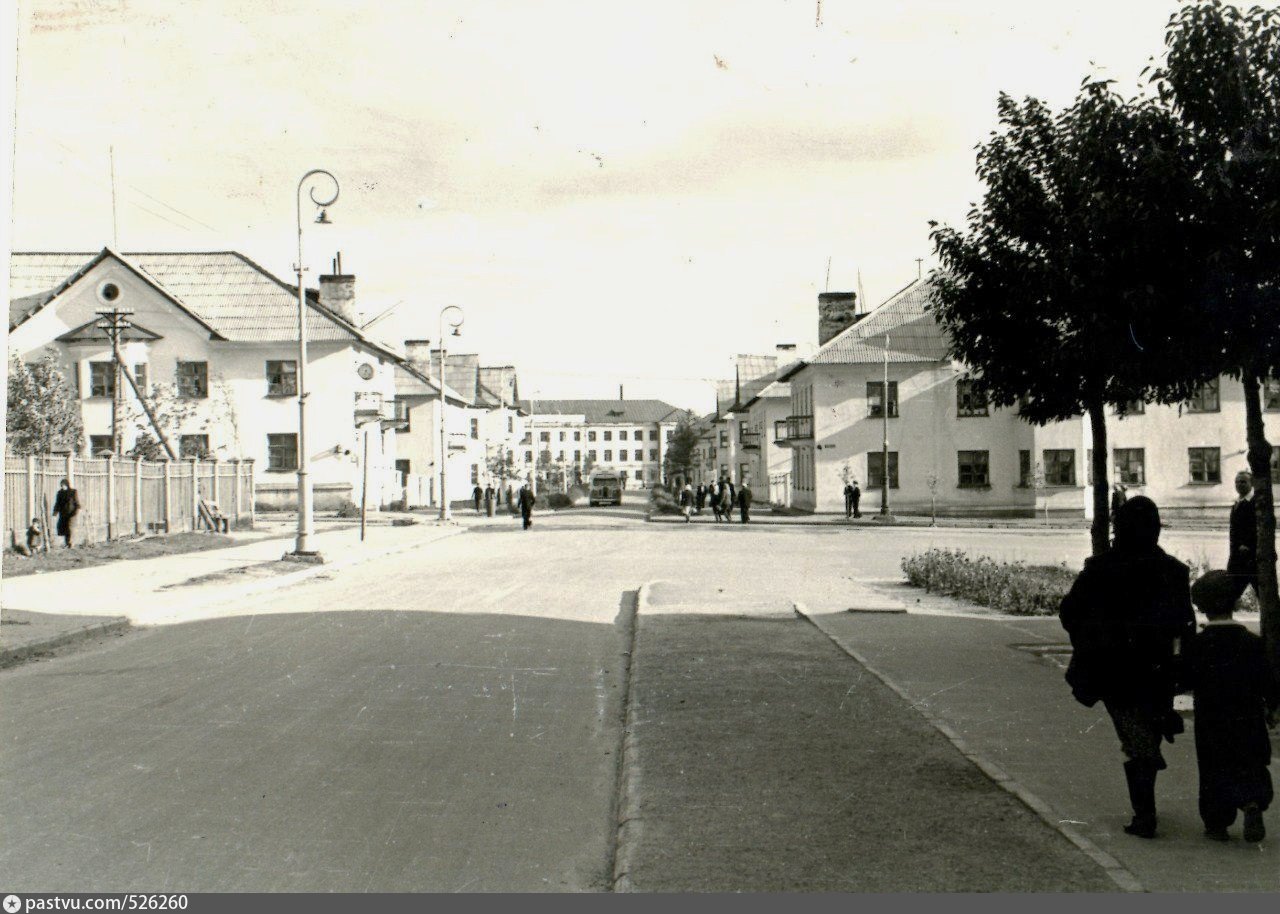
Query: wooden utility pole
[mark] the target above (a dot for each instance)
(114, 322)
(884, 447)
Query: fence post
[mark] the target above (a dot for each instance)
(71, 470)
(168, 495)
(195, 494)
(111, 497)
(238, 488)
(253, 506)
(137, 494)
(31, 492)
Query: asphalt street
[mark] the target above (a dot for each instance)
(449, 718)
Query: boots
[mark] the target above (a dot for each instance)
(1141, 779)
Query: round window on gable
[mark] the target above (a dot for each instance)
(108, 293)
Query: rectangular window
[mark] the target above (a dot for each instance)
(743, 470)
(591, 436)
(875, 469)
(475, 474)
(402, 413)
(639, 456)
(193, 446)
(511, 425)
(608, 455)
(743, 428)
(622, 435)
(875, 397)
(1271, 395)
(639, 435)
(1059, 468)
(102, 379)
(282, 451)
(282, 378)
(402, 467)
(591, 455)
(577, 456)
(1205, 400)
(608, 436)
(653, 434)
(140, 376)
(724, 438)
(1205, 464)
(544, 436)
(475, 428)
(1131, 467)
(99, 444)
(544, 457)
(577, 436)
(970, 401)
(528, 456)
(562, 436)
(1025, 479)
(653, 454)
(974, 467)
(669, 433)
(193, 383)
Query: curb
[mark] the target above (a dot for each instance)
(1125, 880)
(253, 588)
(13, 655)
(628, 804)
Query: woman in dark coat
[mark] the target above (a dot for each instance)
(66, 505)
(1128, 614)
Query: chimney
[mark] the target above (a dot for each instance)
(418, 354)
(338, 293)
(836, 311)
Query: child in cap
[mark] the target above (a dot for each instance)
(1236, 699)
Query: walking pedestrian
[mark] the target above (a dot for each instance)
(488, 499)
(857, 497)
(744, 503)
(848, 500)
(1119, 495)
(1236, 699)
(686, 502)
(1128, 613)
(1242, 537)
(476, 494)
(700, 498)
(66, 505)
(526, 506)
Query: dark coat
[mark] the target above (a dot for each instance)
(526, 501)
(744, 498)
(848, 494)
(66, 505)
(1123, 613)
(1244, 539)
(1234, 690)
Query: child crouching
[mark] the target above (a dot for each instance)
(1236, 698)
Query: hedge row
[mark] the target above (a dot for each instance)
(1012, 587)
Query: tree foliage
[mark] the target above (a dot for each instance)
(679, 458)
(1063, 268)
(43, 413)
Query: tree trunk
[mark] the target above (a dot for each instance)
(1100, 531)
(1265, 516)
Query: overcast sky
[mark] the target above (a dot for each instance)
(614, 192)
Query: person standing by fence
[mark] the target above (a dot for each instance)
(65, 507)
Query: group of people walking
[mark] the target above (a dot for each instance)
(1135, 646)
(722, 497)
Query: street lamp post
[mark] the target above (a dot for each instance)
(445, 514)
(306, 521)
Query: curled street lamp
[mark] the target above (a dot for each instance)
(455, 322)
(306, 521)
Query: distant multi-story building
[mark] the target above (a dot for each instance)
(574, 437)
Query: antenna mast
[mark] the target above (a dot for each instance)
(115, 233)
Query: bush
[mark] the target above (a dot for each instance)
(661, 502)
(348, 508)
(1011, 587)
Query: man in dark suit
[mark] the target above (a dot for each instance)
(1242, 564)
(526, 505)
(744, 503)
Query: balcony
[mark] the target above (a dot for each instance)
(749, 441)
(793, 428)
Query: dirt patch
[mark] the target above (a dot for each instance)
(242, 573)
(769, 760)
(59, 558)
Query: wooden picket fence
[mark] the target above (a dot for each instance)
(122, 497)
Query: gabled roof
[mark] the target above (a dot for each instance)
(224, 291)
(410, 382)
(913, 334)
(607, 412)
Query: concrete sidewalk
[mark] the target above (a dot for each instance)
(154, 591)
(763, 517)
(995, 687)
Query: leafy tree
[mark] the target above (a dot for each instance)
(43, 414)
(1063, 267)
(1221, 78)
(679, 459)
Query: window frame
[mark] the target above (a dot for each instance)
(872, 482)
(1202, 453)
(1197, 402)
(1120, 470)
(967, 394)
(201, 389)
(277, 386)
(874, 408)
(108, 386)
(285, 439)
(972, 466)
(1050, 480)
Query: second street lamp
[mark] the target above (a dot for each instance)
(455, 322)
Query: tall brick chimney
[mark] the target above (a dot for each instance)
(836, 311)
(419, 355)
(338, 294)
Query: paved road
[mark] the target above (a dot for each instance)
(445, 719)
